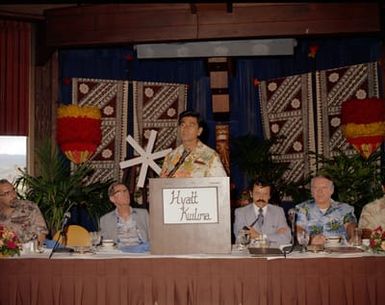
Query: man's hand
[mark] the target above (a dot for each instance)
(253, 234)
(282, 230)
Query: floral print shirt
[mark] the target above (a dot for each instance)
(25, 220)
(330, 223)
(201, 162)
(373, 215)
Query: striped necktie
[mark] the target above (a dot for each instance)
(260, 218)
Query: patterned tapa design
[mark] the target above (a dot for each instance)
(333, 87)
(111, 97)
(286, 105)
(287, 110)
(157, 106)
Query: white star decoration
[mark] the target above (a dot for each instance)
(146, 157)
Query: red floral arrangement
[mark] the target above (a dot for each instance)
(9, 242)
(377, 239)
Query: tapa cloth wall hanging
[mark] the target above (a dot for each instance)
(309, 116)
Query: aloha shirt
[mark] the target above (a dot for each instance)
(330, 223)
(25, 220)
(203, 161)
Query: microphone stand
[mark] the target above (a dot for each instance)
(292, 215)
(62, 236)
(183, 157)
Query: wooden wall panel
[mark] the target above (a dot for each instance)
(250, 20)
(133, 23)
(45, 103)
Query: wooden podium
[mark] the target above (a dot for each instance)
(190, 215)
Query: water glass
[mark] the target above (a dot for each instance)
(242, 240)
(357, 237)
(95, 238)
(303, 238)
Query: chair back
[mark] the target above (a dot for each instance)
(76, 236)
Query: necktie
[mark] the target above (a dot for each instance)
(260, 218)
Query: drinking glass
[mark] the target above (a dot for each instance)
(95, 238)
(357, 237)
(243, 239)
(303, 239)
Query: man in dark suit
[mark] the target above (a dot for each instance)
(262, 218)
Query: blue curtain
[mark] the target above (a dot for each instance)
(121, 63)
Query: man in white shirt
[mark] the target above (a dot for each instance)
(125, 225)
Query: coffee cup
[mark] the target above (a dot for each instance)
(108, 243)
(333, 240)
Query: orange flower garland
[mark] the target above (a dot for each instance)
(363, 124)
(78, 131)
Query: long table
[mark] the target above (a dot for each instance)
(193, 281)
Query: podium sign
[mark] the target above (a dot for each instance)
(190, 215)
(190, 205)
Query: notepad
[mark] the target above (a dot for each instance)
(265, 251)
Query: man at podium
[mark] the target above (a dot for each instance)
(192, 158)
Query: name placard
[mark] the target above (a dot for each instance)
(190, 215)
(190, 205)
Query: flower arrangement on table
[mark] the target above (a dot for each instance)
(377, 239)
(9, 242)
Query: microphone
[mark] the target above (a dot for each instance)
(62, 236)
(292, 218)
(66, 219)
(179, 163)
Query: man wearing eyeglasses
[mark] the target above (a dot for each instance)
(125, 225)
(21, 216)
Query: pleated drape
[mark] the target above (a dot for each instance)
(15, 60)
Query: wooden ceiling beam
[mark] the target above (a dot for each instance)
(151, 23)
(193, 8)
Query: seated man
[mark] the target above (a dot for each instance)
(125, 225)
(261, 217)
(322, 216)
(373, 215)
(21, 216)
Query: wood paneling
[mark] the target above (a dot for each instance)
(134, 23)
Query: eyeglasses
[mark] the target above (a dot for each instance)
(7, 193)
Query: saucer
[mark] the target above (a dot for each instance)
(333, 241)
(108, 247)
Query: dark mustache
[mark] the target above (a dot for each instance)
(261, 200)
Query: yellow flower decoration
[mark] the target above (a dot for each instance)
(76, 111)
